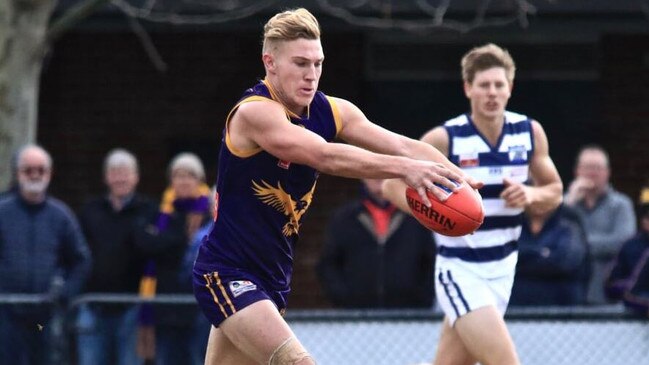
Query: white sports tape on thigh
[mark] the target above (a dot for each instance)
(289, 353)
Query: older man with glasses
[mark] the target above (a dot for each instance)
(42, 251)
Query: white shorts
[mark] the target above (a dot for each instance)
(459, 290)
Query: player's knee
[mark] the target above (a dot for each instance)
(291, 352)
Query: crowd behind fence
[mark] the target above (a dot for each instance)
(600, 335)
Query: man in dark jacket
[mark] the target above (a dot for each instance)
(375, 256)
(552, 264)
(42, 251)
(107, 333)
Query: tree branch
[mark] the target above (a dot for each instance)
(72, 16)
(148, 45)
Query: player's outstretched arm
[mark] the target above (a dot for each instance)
(358, 130)
(264, 125)
(395, 190)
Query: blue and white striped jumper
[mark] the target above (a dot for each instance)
(491, 251)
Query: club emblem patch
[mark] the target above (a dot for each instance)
(241, 286)
(517, 153)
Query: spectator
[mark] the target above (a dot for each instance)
(183, 210)
(629, 279)
(202, 325)
(376, 256)
(42, 251)
(107, 333)
(607, 214)
(552, 264)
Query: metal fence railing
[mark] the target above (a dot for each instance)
(543, 336)
(602, 335)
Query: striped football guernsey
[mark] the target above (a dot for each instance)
(494, 244)
(262, 199)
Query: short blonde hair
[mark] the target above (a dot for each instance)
(486, 57)
(189, 162)
(290, 25)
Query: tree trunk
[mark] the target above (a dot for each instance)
(23, 31)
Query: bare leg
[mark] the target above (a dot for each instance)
(485, 336)
(250, 336)
(451, 349)
(220, 350)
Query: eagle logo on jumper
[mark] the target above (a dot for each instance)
(282, 201)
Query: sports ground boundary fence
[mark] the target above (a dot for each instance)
(594, 335)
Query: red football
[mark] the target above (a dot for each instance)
(460, 214)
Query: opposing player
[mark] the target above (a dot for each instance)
(277, 140)
(474, 273)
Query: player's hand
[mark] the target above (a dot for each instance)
(424, 175)
(515, 194)
(474, 183)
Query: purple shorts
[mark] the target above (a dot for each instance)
(222, 293)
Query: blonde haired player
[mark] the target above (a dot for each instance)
(474, 273)
(277, 140)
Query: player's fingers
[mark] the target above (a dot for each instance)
(513, 198)
(424, 196)
(510, 202)
(440, 193)
(516, 203)
(474, 183)
(443, 183)
(447, 178)
(518, 197)
(506, 192)
(452, 175)
(429, 185)
(441, 174)
(517, 200)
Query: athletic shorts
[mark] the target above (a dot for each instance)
(222, 293)
(459, 290)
